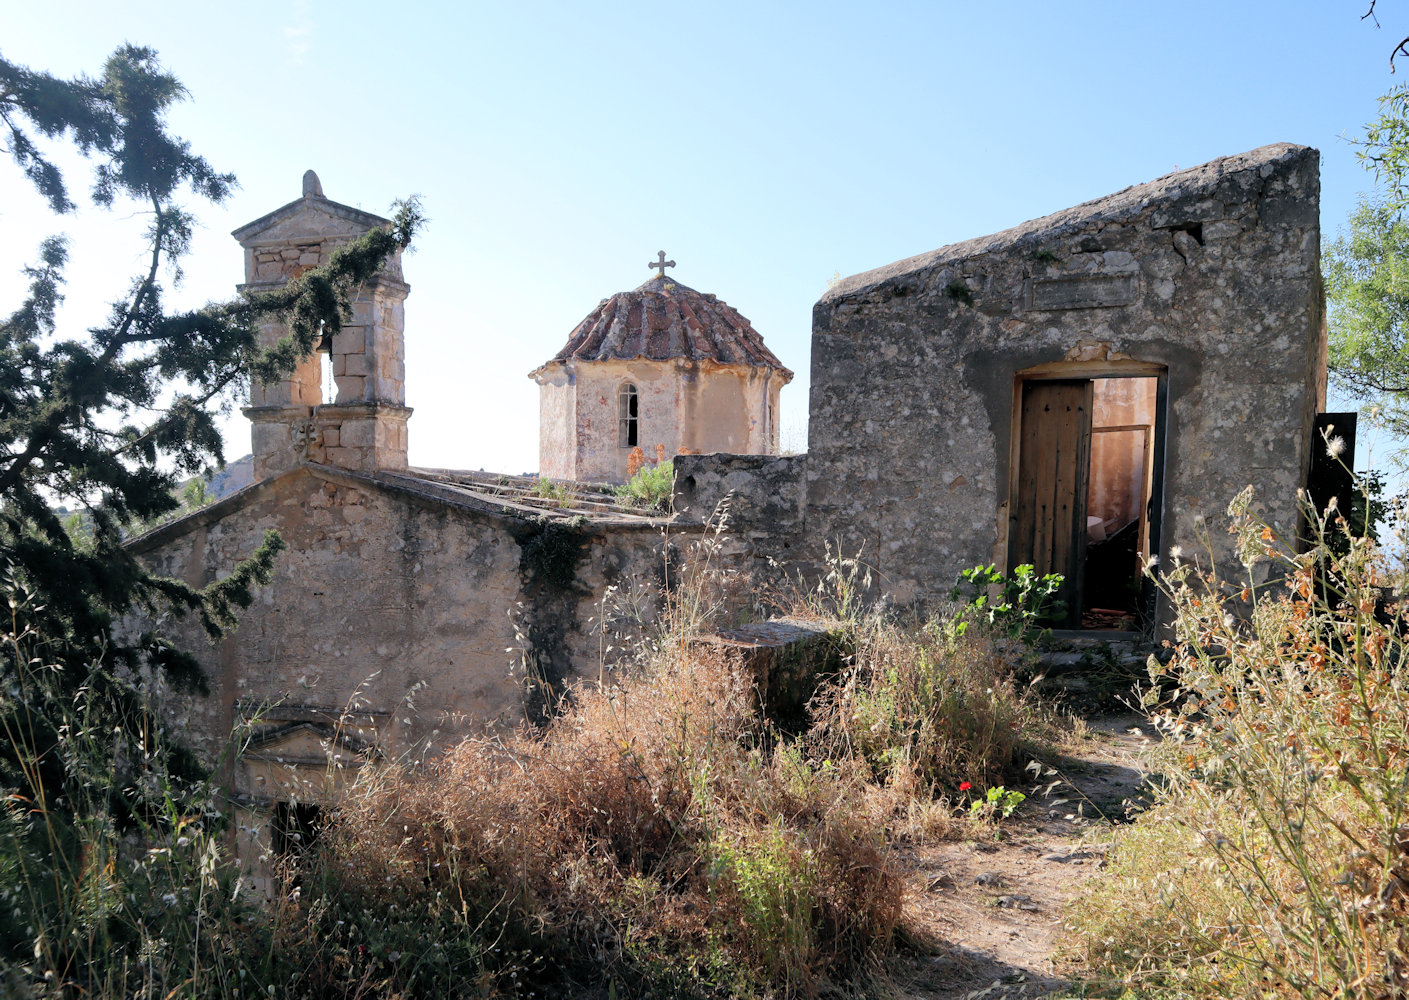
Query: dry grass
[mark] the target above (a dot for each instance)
(660, 837)
(928, 706)
(654, 836)
(1277, 864)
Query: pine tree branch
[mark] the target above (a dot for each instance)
(53, 420)
(120, 338)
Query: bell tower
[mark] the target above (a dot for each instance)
(354, 417)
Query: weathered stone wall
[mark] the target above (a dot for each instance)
(598, 453)
(1212, 273)
(765, 527)
(683, 407)
(393, 602)
(557, 416)
(730, 409)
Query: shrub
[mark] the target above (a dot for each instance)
(651, 836)
(930, 703)
(548, 489)
(1023, 603)
(1277, 863)
(652, 486)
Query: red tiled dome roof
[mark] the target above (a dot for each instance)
(664, 319)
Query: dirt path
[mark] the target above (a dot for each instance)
(987, 912)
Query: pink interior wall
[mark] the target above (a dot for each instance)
(1120, 459)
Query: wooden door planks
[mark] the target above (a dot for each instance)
(1054, 455)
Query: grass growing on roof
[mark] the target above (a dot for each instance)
(651, 487)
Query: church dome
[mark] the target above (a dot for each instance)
(664, 320)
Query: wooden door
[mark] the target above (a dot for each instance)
(1048, 524)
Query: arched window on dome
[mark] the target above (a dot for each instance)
(627, 408)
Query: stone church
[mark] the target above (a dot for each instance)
(1082, 392)
(386, 626)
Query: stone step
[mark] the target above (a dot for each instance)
(787, 657)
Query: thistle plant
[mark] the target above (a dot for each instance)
(1277, 861)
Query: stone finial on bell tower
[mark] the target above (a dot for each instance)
(355, 417)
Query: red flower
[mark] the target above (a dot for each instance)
(964, 786)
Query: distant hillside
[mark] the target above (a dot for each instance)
(235, 476)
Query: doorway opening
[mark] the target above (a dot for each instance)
(1085, 497)
(295, 828)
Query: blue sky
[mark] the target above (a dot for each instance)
(763, 146)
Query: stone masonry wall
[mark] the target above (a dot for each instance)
(394, 605)
(765, 525)
(1212, 273)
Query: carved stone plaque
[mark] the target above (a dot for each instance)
(306, 435)
(1086, 292)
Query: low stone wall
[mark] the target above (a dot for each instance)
(762, 498)
(396, 600)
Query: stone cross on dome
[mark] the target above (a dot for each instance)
(661, 263)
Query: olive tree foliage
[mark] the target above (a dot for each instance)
(1367, 289)
(1366, 269)
(108, 417)
(1383, 150)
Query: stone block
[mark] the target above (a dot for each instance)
(787, 658)
(354, 364)
(394, 460)
(386, 342)
(268, 436)
(357, 433)
(351, 388)
(1223, 230)
(391, 433)
(350, 340)
(388, 390)
(347, 458)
